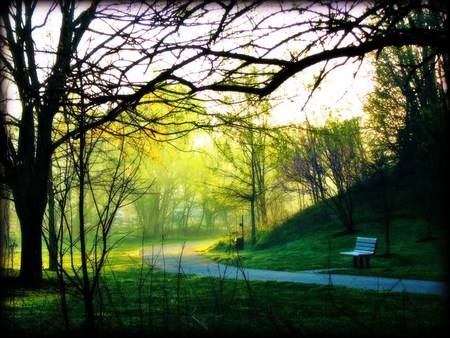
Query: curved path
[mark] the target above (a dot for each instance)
(167, 257)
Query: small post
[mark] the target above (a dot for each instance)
(240, 240)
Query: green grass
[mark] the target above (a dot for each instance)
(318, 247)
(138, 301)
(313, 239)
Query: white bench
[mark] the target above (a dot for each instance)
(364, 247)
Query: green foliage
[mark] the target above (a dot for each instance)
(407, 116)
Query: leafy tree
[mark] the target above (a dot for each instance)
(181, 195)
(204, 46)
(407, 111)
(217, 206)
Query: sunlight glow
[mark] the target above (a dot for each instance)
(341, 96)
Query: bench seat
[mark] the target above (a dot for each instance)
(357, 253)
(364, 247)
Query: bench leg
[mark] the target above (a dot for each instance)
(355, 261)
(361, 261)
(368, 261)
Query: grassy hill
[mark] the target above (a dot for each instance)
(313, 238)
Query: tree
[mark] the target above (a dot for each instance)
(345, 163)
(4, 210)
(52, 243)
(203, 46)
(246, 161)
(157, 207)
(385, 188)
(98, 171)
(305, 167)
(239, 172)
(4, 226)
(407, 110)
(329, 163)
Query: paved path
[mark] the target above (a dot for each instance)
(192, 262)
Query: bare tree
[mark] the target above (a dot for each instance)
(385, 189)
(305, 167)
(106, 178)
(202, 46)
(329, 165)
(344, 160)
(245, 153)
(52, 235)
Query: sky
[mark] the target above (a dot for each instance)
(341, 95)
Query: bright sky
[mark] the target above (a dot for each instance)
(341, 95)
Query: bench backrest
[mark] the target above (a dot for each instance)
(366, 244)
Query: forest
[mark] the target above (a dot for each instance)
(126, 125)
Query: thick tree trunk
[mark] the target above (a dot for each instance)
(30, 198)
(263, 208)
(31, 255)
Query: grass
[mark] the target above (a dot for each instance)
(313, 239)
(134, 300)
(318, 247)
(158, 304)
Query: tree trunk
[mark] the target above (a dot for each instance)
(4, 226)
(30, 199)
(86, 285)
(30, 218)
(386, 211)
(253, 221)
(208, 217)
(52, 239)
(262, 206)
(156, 214)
